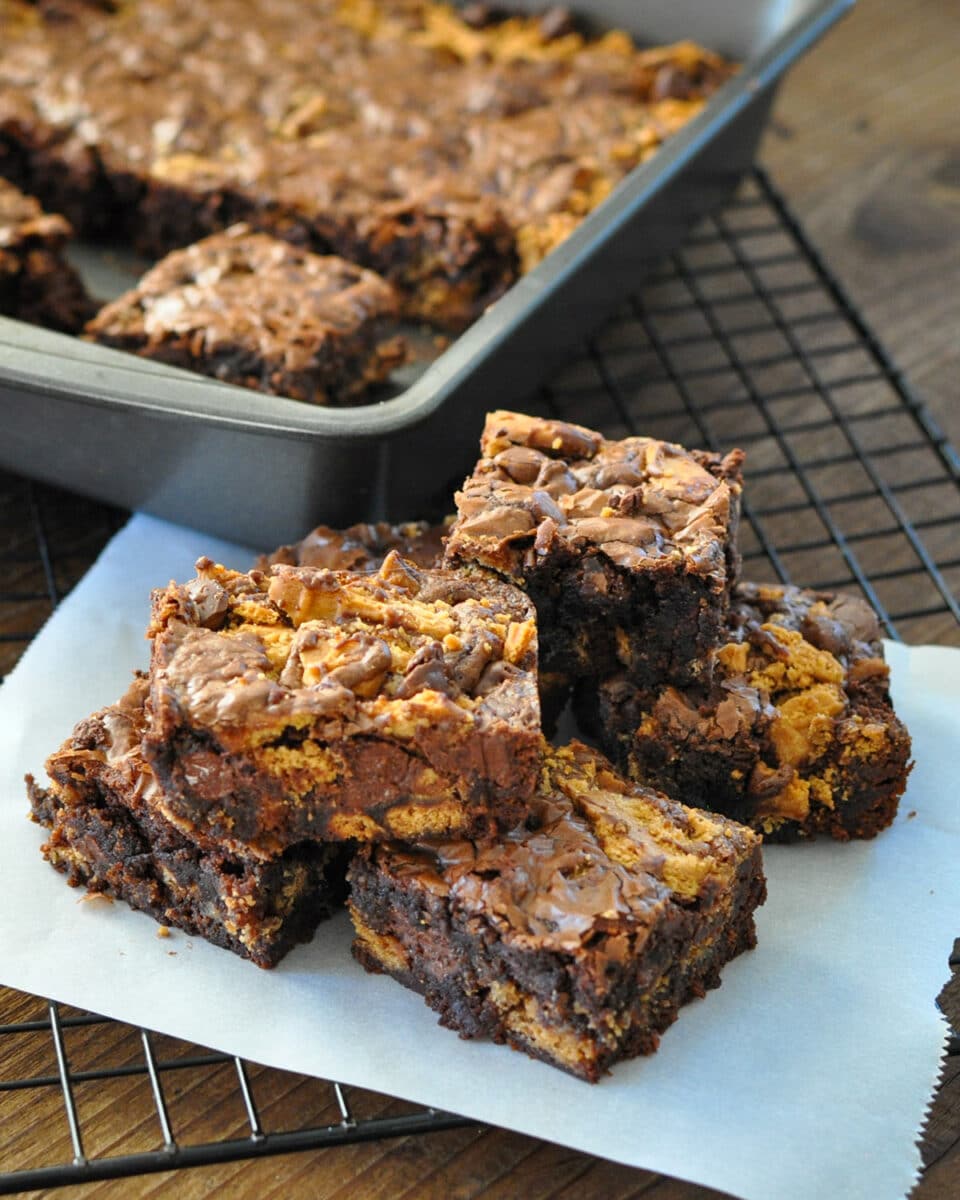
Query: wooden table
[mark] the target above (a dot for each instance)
(866, 146)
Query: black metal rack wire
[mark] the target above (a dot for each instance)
(742, 338)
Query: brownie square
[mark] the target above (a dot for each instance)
(576, 936)
(253, 310)
(627, 548)
(37, 284)
(108, 833)
(301, 703)
(796, 735)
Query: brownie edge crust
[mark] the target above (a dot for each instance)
(577, 936)
(108, 834)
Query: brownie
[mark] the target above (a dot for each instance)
(306, 703)
(627, 548)
(796, 736)
(109, 833)
(445, 153)
(576, 936)
(250, 309)
(363, 547)
(37, 284)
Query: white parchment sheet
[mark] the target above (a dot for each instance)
(807, 1074)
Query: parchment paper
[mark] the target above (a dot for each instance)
(807, 1074)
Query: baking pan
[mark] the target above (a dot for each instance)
(263, 470)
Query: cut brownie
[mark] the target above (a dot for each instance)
(253, 310)
(363, 547)
(37, 284)
(627, 548)
(108, 834)
(305, 703)
(796, 736)
(577, 936)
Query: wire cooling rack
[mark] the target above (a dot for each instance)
(742, 338)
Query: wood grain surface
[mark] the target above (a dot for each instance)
(865, 145)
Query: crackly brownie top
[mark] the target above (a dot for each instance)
(597, 859)
(363, 547)
(245, 656)
(240, 286)
(355, 103)
(543, 486)
(22, 220)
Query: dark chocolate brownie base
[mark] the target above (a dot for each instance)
(108, 834)
(37, 284)
(796, 736)
(253, 310)
(575, 937)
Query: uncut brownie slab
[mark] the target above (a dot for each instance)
(109, 834)
(447, 151)
(796, 736)
(576, 936)
(253, 310)
(306, 703)
(37, 284)
(627, 548)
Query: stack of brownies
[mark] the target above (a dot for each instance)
(360, 716)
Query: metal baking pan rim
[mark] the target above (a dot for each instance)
(110, 379)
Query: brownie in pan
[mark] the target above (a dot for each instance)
(37, 283)
(448, 151)
(627, 548)
(576, 936)
(795, 736)
(307, 703)
(109, 834)
(253, 310)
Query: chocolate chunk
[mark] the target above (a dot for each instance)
(557, 22)
(427, 669)
(479, 15)
(211, 602)
(521, 463)
(672, 83)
